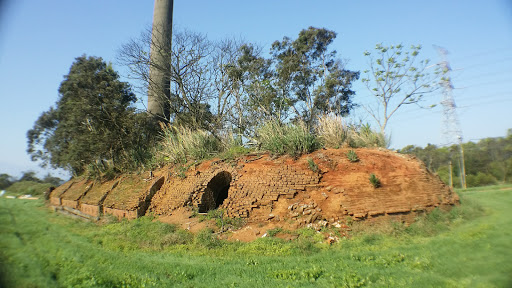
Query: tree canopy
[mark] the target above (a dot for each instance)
(227, 84)
(5, 180)
(396, 77)
(487, 161)
(218, 87)
(93, 119)
(313, 80)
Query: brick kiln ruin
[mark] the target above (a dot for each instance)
(261, 188)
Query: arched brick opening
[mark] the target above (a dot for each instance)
(216, 192)
(152, 190)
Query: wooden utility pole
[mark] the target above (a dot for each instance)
(462, 165)
(451, 174)
(160, 67)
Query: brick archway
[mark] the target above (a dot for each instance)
(215, 192)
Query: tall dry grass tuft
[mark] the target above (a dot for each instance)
(291, 139)
(332, 131)
(364, 136)
(181, 144)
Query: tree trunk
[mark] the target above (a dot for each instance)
(161, 36)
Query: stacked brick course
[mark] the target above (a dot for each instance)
(180, 192)
(266, 189)
(92, 202)
(259, 186)
(90, 199)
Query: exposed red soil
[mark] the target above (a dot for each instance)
(273, 192)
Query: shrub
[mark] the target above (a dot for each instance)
(233, 152)
(331, 131)
(181, 144)
(217, 215)
(291, 139)
(28, 187)
(364, 136)
(374, 181)
(352, 156)
(480, 179)
(178, 237)
(312, 165)
(181, 170)
(207, 239)
(273, 232)
(221, 221)
(235, 223)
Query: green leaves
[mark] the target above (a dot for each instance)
(93, 120)
(311, 76)
(396, 78)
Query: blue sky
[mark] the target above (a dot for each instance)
(39, 40)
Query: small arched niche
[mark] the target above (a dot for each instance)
(216, 192)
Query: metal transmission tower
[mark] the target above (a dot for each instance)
(159, 78)
(451, 126)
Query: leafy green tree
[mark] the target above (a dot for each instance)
(6, 180)
(310, 76)
(487, 161)
(29, 176)
(476, 158)
(499, 153)
(433, 156)
(396, 77)
(255, 98)
(92, 121)
(55, 181)
(480, 179)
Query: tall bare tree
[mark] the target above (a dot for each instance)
(199, 91)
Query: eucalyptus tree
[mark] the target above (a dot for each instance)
(254, 97)
(310, 76)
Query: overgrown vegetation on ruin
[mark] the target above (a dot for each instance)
(223, 95)
(45, 249)
(227, 98)
(180, 145)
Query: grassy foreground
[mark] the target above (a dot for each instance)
(471, 246)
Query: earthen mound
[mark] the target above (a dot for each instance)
(322, 188)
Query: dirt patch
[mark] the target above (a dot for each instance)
(184, 219)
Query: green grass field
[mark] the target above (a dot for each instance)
(470, 246)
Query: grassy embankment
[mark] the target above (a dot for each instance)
(28, 187)
(471, 246)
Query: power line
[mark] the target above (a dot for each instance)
(478, 96)
(484, 53)
(502, 72)
(486, 63)
(484, 84)
(488, 102)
